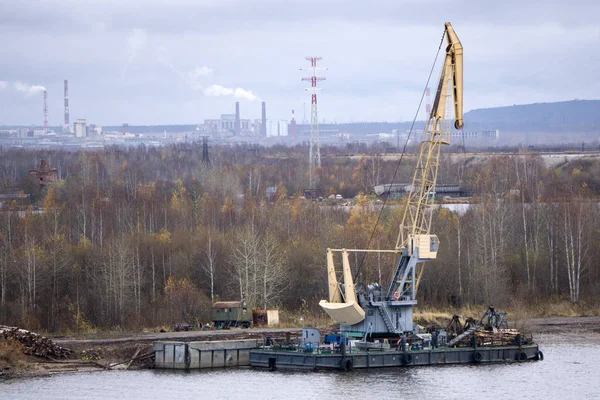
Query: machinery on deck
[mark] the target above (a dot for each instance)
(387, 312)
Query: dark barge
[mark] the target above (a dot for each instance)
(281, 359)
(488, 340)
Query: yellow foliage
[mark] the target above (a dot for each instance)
(84, 243)
(163, 237)
(228, 206)
(281, 194)
(447, 214)
(51, 200)
(362, 200)
(296, 208)
(360, 225)
(181, 285)
(179, 197)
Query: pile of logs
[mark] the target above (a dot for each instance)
(497, 337)
(34, 344)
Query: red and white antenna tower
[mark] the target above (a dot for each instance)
(45, 113)
(314, 156)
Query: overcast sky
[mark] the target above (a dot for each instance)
(181, 61)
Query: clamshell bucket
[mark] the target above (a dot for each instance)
(345, 311)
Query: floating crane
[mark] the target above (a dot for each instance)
(386, 312)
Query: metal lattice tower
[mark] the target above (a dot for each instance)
(314, 155)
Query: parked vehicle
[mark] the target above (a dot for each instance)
(231, 314)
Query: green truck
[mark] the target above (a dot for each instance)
(231, 314)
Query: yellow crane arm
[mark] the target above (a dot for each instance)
(416, 220)
(454, 52)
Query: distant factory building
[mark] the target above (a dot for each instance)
(398, 190)
(277, 128)
(79, 126)
(93, 129)
(227, 124)
(476, 135)
(232, 124)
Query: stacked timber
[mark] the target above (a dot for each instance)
(483, 337)
(34, 344)
(496, 337)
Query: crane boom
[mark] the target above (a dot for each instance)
(388, 311)
(417, 218)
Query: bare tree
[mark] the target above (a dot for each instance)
(576, 235)
(244, 254)
(272, 271)
(209, 266)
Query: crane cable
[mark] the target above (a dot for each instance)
(401, 155)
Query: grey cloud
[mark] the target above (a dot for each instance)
(236, 15)
(378, 53)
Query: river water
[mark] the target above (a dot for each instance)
(570, 370)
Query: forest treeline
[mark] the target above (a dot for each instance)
(145, 236)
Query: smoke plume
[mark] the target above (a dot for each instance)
(29, 90)
(239, 93)
(136, 43)
(200, 72)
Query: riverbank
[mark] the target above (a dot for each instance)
(116, 351)
(134, 350)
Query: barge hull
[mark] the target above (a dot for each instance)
(272, 359)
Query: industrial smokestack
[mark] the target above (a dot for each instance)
(293, 125)
(237, 118)
(263, 125)
(45, 112)
(66, 103)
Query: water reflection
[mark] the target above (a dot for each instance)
(569, 371)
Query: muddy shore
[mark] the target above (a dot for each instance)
(134, 351)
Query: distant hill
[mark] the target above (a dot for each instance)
(581, 116)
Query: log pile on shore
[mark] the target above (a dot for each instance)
(33, 343)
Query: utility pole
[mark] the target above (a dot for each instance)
(314, 155)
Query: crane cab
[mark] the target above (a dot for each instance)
(426, 246)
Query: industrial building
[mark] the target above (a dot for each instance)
(276, 128)
(79, 126)
(476, 135)
(227, 124)
(233, 125)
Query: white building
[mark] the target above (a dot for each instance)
(80, 128)
(277, 128)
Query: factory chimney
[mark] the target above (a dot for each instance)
(263, 125)
(293, 125)
(66, 103)
(237, 118)
(45, 112)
